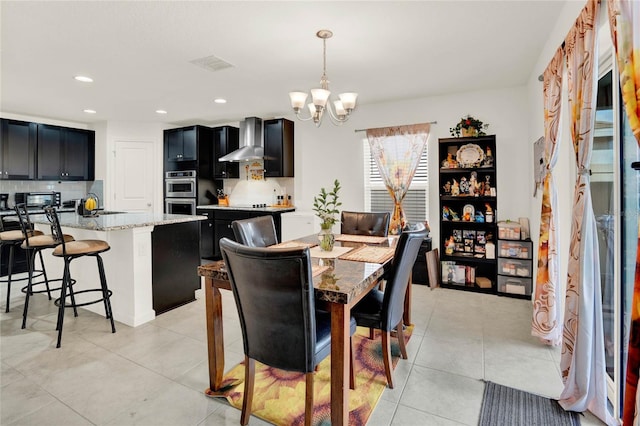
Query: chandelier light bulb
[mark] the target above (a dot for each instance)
(339, 111)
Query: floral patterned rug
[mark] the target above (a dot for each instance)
(278, 396)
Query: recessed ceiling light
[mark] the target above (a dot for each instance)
(90, 111)
(83, 79)
(161, 111)
(220, 101)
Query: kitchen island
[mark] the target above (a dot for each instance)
(151, 267)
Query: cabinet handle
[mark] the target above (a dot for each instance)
(229, 226)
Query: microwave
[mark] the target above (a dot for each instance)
(180, 184)
(38, 199)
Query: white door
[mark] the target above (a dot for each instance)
(134, 189)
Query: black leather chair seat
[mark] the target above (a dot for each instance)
(369, 310)
(323, 333)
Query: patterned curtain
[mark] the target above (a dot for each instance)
(547, 320)
(583, 361)
(397, 151)
(624, 20)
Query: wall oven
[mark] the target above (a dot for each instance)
(180, 184)
(180, 206)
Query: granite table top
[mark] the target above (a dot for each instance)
(342, 281)
(111, 221)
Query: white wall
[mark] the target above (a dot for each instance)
(329, 152)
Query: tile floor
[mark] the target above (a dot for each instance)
(155, 374)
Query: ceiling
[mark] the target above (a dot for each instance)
(139, 54)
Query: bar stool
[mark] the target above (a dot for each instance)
(34, 245)
(12, 239)
(70, 251)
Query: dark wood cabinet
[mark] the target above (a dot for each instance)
(226, 139)
(189, 148)
(468, 207)
(65, 153)
(222, 219)
(278, 148)
(181, 144)
(207, 233)
(18, 141)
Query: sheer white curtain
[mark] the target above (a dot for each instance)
(397, 151)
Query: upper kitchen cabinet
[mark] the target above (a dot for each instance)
(226, 139)
(18, 150)
(278, 148)
(189, 148)
(65, 153)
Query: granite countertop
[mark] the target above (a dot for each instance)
(116, 221)
(268, 209)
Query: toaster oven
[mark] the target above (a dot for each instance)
(38, 199)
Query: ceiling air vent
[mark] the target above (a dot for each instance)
(211, 63)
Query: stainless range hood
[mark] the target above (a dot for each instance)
(251, 140)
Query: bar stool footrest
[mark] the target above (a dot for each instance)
(14, 280)
(77, 305)
(24, 289)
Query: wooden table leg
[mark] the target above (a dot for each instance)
(215, 344)
(406, 317)
(340, 333)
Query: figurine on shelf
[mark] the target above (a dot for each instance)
(487, 186)
(464, 186)
(449, 162)
(446, 214)
(488, 158)
(455, 188)
(453, 215)
(473, 184)
(479, 217)
(447, 188)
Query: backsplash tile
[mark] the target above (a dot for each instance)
(68, 190)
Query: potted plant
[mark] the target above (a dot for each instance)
(468, 126)
(326, 207)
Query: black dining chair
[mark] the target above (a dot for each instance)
(273, 290)
(255, 232)
(365, 223)
(383, 310)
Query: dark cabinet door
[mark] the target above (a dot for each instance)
(222, 228)
(17, 150)
(278, 148)
(189, 144)
(50, 161)
(206, 234)
(79, 154)
(65, 153)
(225, 140)
(173, 144)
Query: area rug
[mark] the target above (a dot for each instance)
(502, 405)
(278, 396)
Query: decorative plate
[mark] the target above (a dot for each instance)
(470, 155)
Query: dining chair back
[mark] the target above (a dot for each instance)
(255, 232)
(365, 223)
(274, 294)
(383, 310)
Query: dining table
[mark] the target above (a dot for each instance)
(341, 278)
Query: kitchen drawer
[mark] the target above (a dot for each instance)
(514, 285)
(514, 267)
(515, 249)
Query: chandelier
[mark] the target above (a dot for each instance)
(341, 108)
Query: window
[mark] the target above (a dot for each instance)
(377, 199)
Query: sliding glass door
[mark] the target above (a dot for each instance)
(614, 190)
